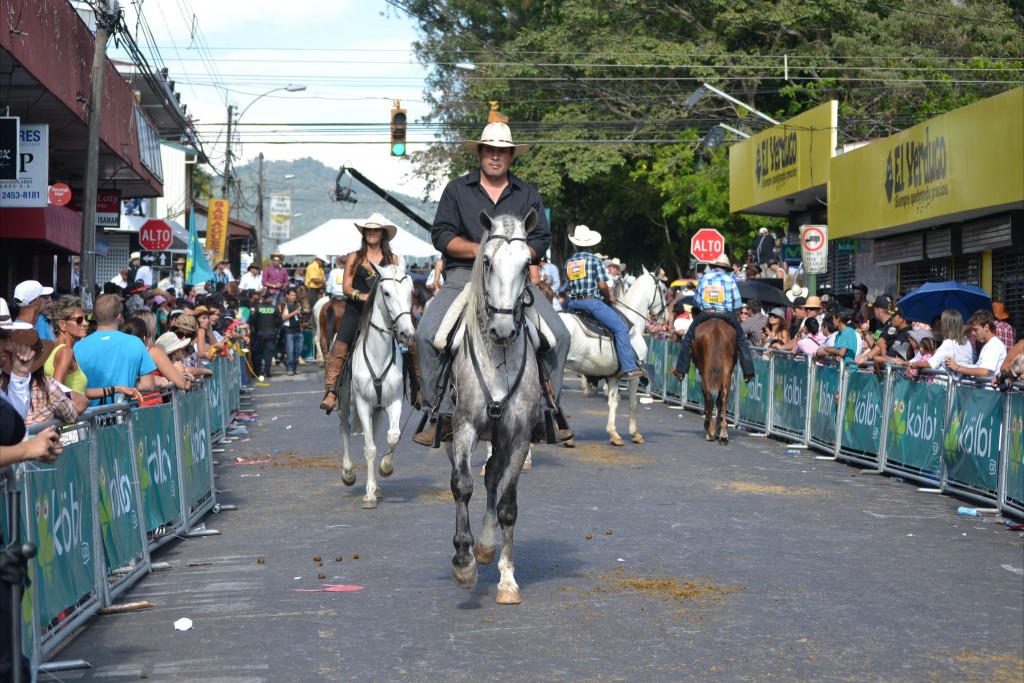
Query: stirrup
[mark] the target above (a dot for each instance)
(325, 406)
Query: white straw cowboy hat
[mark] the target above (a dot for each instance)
(614, 262)
(495, 134)
(583, 236)
(378, 220)
(721, 262)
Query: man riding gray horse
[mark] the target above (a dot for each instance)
(718, 297)
(456, 233)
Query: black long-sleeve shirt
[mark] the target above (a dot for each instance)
(458, 214)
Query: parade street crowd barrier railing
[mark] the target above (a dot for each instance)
(961, 437)
(129, 480)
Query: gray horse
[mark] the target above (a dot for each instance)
(497, 391)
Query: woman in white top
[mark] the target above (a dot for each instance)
(954, 344)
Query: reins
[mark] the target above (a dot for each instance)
(661, 298)
(390, 331)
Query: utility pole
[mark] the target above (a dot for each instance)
(227, 156)
(259, 215)
(92, 158)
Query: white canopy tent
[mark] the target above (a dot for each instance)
(340, 236)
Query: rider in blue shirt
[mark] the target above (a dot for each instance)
(718, 297)
(588, 283)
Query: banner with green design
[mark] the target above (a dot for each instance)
(971, 447)
(862, 413)
(60, 524)
(215, 393)
(656, 358)
(1015, 459)
(753, 397)
(120, 512)
(673, 386)
(157, 463)
(195, 460)
(825, 404)
(789, 397)
(916, 424)
(694, 390)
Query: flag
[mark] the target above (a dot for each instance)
(197, 269)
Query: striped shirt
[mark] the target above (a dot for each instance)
(585, 271)
(717, 291)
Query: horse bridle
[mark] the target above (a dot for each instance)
(661, 299)
(390, 331)
(525, 298)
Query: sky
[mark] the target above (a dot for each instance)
(354, 57)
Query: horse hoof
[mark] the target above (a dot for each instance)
(348, 478)
(617, 441)
(385, 473)
(709, 437)
(569, 443)
(483, 555)
(464, 578)
(528, 465)
(369, 503)
(724, 440)
(637, 438)
(508, 596)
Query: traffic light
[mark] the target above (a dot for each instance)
(398, 120)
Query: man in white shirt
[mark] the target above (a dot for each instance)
(252, 280)
(336, 278)
(993, 350)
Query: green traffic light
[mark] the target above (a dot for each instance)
(398, 149)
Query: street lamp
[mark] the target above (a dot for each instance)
(298, 87)
(692, 100)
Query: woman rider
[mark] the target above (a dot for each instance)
(360, 278)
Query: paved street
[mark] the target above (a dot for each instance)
(672, 561)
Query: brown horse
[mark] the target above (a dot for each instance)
(328, 321)
(715, 355)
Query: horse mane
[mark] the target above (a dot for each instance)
(368, 304)
(476, 298)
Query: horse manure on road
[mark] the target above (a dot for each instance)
(763, 489)
(297, 461)
(607, 454)
(669, 588)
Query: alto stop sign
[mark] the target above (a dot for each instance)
(707, 245)
(155, 236)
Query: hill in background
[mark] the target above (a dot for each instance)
(312, 190)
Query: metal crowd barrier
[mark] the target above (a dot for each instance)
(129, 480)
(957, 436)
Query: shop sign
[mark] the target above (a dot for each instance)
(846, 246)
(9, 147)
(30, 187)
(108, 207)
(217, 227)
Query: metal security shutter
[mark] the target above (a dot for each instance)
(913, 275)
(841, 271)
(1008, 284)
(988, 235)
(967, 270)
(896, 250)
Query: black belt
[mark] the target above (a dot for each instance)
(577, 298)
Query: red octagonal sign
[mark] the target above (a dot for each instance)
(707, 245)
(155, 236)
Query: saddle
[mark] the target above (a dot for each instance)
(595, 329)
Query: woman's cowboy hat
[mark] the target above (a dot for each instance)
(583, 236)
(377, 220)
(495, 134)
(797, 291)
(169, 342)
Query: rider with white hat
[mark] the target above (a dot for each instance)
(718, 297)
(588, 288)
(456, 233)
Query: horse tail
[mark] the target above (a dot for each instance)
(328, 328)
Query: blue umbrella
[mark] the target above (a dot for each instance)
(929, 301)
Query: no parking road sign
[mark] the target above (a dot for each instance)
(814, 244)
(707, 245)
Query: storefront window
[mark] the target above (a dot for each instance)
(1008, 284)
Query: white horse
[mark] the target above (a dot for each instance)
(497, 383)
(374, 385)
(594, 356)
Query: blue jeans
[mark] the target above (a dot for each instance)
(292, 349)
(606, 315)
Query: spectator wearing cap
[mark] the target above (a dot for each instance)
(110, 357)
(993, 350)
(144, 274)
(1004, 330)
(894, 341)
(755, 322)
(551, 281)
(813, 309)
(315, 279)
(34, 304)
(186, 326)
(275, 277)
(251, 279)
(775, 333)
(799, 315)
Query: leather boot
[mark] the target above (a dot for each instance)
(417, 400)
(429, 435)
(336, 358)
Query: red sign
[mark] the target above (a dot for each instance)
(707, 245)
(155, 236)
(108, 206)
(60, 194)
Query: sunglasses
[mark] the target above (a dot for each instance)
(77, 320)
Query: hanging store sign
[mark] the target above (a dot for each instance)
(9, 147)
(280, 225)
(108, 207)
(217, 227)
(30, 187)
